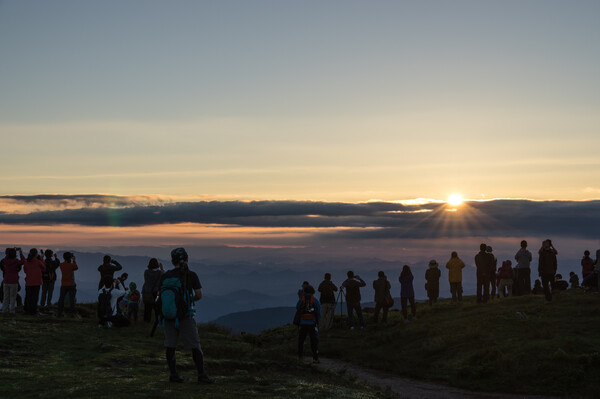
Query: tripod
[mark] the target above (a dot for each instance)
(340, 300)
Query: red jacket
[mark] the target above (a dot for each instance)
(33, 272)
(12, 267)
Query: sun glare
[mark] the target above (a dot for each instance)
(455, 200)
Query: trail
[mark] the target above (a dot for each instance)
(412, 389)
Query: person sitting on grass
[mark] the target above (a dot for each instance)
(537, 288)
(505, 276)
(107, 304)
(560, 284)
(574, 280)
(407, 293)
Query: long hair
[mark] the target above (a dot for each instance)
(405, 271)
(32, 254)
(153, 264)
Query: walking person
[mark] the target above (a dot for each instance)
(352, 285)
(407, 293)
(150, 288)
(49, 277)
(33, 266)
(187, 282)
(12, 267)
(67, 283)
(309, 309)
(455, 266)
(383, 298)
(327, 289)
(547, 266)
(432, 276)
(523, 258)
(484, 263)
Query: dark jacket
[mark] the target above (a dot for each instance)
(547, 263)
(432, 275)
(406, 286)
(109, 269)
(352, 286)
(485, 263)
(327, 289)
(49, 274)
(382, 287)
(151, 284)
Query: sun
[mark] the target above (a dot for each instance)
(455, 200)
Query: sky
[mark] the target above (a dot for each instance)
(112, 109)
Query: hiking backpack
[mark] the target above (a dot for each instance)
(104, 308)
(307, 309)
(173, 301)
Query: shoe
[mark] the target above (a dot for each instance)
(205, 379)
(176, 378)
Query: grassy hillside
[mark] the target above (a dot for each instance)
(511, 345)
(57, 358)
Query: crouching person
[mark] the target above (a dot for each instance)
(309, 311)
(179, 289)
(108, 295)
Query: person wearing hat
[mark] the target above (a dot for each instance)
(493, 268)
(184, 328)
(432, 275)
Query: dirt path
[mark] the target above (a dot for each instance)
(411, 389)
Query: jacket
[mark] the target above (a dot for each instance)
(455, 266)
(151, 284)
(327, 288)
(523, 258)
(352, 286)
(382, 287)
(317, 313)
(547, 263)
(12, 267)
(33, 272)
(485, 263)
(406, 286)
(67, 270)
(587, 265)
(432, 275)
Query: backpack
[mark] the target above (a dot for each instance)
(173, 301)
(104, 309)
(307, 309)
(134, 296)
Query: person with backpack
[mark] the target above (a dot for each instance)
(67, 283)
(179, 289)
(327, 300)
(309, 310)
(383, 298)
(455, 266)
(133, 302)
(352, 286)
(12, 267)
(49, 278)
(107, 304)
(108, 268)
(33, 266)
(432, 276)
(150, 288)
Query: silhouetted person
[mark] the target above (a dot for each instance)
(587, 269)
(12, 267)
(108, 268)
(484, 263)
(523, 258)
(383, 298)
(432, 276)
(34, 266)
(506, 276)
(309, 309)
(407, 293)
(547, 266)
(49, 277)
(352, 286)
(151, 287)
(560, 284)
(574, 280)
(327, 289)
(537, 288)
(112, 287)
(186, 329)
(493, 268)
(455, 266)
(67, 283)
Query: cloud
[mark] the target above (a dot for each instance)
(372, 220)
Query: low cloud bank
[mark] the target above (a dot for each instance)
(373, 220)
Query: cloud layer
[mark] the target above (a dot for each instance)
(372, 220)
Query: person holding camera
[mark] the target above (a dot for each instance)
(67, 283)
(108, 268)
(547, 265)
(11, 267)
(185, 327)
(327, 289)
(34, 266)
(352, 286)
(49, 277)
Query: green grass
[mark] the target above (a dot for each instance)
(554, 350)
(57, 358)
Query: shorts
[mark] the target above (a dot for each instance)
(187, 331)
